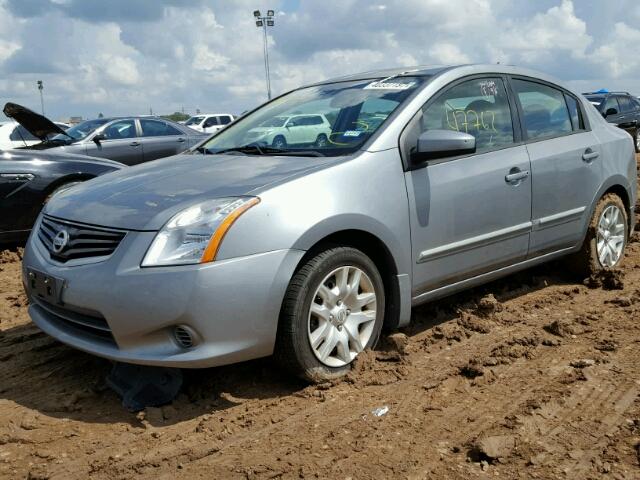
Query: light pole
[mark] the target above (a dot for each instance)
(41, 87)
(264, 22)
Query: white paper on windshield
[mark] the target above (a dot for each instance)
(389, 85)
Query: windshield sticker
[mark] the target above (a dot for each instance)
(489, 88)
(352, 133)
(387, 85)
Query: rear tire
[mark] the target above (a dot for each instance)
(321, 141)
(333, 310)
(607, 236)
(637, 140)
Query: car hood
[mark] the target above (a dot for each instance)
(146, 196)
(38, 125)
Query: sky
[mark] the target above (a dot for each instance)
(120, 57)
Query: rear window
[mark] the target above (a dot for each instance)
(154, 128)
(544, 108)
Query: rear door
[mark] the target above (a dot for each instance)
(159, 139)
(469, 214)
(565, 163)
(121, 143)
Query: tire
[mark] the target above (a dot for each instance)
(637, 140)
(60, 188)
(321, 141)
(332, 319)
(588, 260)
(279, 142)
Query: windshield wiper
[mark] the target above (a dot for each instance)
(246, 149)
(294, 153)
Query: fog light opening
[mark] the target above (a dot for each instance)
(184, 336)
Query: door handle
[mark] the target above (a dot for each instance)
(134, 144)
(181, 140)
(516, 175)
(589, 155)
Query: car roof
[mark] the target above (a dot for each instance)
(435, 70)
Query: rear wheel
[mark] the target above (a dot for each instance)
(333, 310)
(603, 248)
(638, 141)
(322, 141)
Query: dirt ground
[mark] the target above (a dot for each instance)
(533, 376)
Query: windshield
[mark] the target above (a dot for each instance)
(80, 131)
(328, 120)
(595, 99)
(194, 121)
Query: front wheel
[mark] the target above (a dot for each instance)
(279, 142)
(638, 141)
(332, 311)
(603, 248)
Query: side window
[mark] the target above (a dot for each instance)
(120, 129)
(224, 120)
(611, 103)
(636, 104)
(574, 112)
(155, 128)
(294, 122)
(315, 120)
(478, 107)
(20, 133)
(544, 108)
(210, 122)
(625, 104)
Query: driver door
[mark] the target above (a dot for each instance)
(468, 215)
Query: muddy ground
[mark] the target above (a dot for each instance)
(533, 376)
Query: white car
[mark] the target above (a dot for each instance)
(14, 135)
(209, 122)
(292, 130)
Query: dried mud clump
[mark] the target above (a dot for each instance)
(474, 324)
(562, 328)
(11, 256)
(606, 279)
(493, 449)
(488, 305)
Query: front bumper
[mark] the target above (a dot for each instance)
(231, 305)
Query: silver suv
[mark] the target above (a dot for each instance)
(432, 180)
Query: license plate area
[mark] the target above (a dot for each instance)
(45, 286)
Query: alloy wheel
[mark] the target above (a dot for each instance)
(610, 238)
(342, 316)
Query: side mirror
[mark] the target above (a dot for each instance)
(99, 137)
(610, 111)
(434, 144)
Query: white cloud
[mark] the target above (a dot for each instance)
(448, 53)
(617, 54)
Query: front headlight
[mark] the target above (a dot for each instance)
(194, 235)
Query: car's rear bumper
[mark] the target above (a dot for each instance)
(128, 313)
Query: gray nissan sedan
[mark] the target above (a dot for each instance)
(430, 181)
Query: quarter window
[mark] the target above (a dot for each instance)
(544, 109)
(478, 107)
(154, 128)
(574, 112)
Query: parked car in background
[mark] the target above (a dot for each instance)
(209, 122)
(28, 178)
(238, 250)
(621, 109)
(129, 140)
(292, 130)
(14, 135)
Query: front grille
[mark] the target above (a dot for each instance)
(79, 241)
(80, 323)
